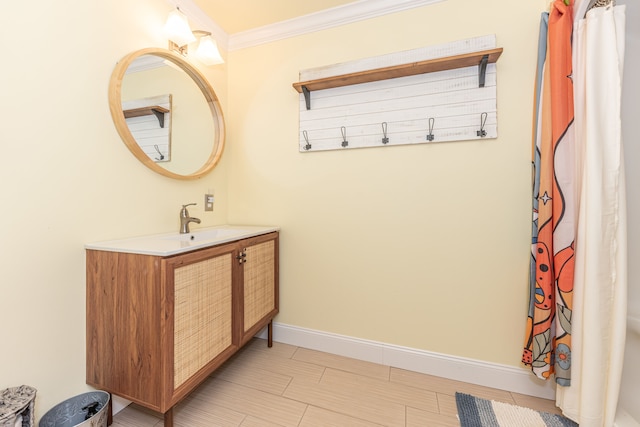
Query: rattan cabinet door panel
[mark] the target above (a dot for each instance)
(259, 284)
(202, 314)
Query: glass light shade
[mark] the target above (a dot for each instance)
(208, 52)
(177, 29)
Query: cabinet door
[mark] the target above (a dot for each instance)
(202, 324)
(260, 283)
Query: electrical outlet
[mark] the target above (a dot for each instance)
(208, 202)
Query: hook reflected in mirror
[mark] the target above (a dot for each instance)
(159, 152)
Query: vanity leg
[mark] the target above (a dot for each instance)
(270, 334)
(110, 410)
(168, 418)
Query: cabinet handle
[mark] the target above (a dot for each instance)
(241, 257)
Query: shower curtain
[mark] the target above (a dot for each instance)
(548, 337)
(597, 318)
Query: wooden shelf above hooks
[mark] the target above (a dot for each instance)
(155, 110)
(481, 59)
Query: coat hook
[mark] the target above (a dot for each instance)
(385, 139)
(344, 136)
(306, 138)
(159, 152)
(430, 136)
(483, 119)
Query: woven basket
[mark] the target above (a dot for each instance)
(16, 402)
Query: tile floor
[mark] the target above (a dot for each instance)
(293, 386)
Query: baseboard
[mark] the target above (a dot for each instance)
(624, 419)
(518, 380)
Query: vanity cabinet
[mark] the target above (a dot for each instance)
(157, 326)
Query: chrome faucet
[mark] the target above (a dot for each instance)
(185, 219)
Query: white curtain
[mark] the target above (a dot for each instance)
(600, 286)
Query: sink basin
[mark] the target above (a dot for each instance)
(206, 235)
(175, 243)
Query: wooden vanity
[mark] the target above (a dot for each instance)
(157, 326)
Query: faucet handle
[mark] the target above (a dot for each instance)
(184, 213)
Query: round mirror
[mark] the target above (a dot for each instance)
(166, 113)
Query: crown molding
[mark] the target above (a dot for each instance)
(359, 10)
(353, 12)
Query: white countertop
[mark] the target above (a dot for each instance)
(176, 243)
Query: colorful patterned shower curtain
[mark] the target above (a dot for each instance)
(548, 336)
(576, 321)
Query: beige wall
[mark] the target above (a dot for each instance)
(422, 246)
(66, 178)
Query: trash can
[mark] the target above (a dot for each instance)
(16, 406)
(87, 410)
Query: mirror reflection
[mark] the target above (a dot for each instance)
(167, 114)
(149, 120)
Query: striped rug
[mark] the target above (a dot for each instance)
(477, 412)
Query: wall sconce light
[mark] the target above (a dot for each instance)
(207, 51)
(180, 35)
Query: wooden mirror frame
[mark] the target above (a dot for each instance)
(115, 105)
